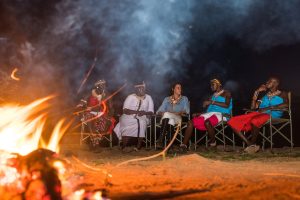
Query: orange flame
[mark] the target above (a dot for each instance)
(21, 128)
(13, 74)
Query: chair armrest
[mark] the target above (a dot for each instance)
(226, 115)
(280, 109)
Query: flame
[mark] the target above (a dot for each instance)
(21, 128)
(13, 76)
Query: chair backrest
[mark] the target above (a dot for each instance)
(290, 103)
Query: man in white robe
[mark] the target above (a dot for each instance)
(136, 111)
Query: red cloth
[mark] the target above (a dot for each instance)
(243, 122)
(93, 101)
(101, 122)
(199, 122)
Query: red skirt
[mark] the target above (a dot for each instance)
(244, 122)
(199, 122)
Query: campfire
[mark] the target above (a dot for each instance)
(31, 168)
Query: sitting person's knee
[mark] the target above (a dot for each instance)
(190, 123)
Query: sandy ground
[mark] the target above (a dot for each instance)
(205, 174)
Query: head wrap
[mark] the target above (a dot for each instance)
(216, 81)
(100, 82)
(140, 84)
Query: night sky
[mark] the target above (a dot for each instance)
(54, 44)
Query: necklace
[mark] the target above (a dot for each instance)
(216, 94)
(272, 94)
(174, 100)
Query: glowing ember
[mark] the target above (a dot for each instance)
(13, 74)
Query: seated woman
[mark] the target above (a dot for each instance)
(99, 114)
(172, 109)
(218, 106)
(253, 121)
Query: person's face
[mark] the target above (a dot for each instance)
(177, 89)
(100, 88)
(214, 86)
(271, 83)
(140, 90)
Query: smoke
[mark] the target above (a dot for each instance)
(55, 42)
(135, 39)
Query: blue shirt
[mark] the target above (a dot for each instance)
(216, 108)
(181, 106)
(272, 101)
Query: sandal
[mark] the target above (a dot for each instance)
(213, 144)
(182, 149)
(252, 149)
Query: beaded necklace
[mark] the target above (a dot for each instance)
(216, 94)
(174, 101)
(272, 94)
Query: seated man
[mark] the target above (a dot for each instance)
(253, 121)
(98, 114)
(133, 122)
(218, 106)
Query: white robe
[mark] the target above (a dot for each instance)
(133, 125)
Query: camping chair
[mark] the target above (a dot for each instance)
(89, 133)
(179, 137)
(262, 132)
(219, 134)
(148, 134)
(277, 124)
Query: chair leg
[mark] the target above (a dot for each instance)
(271, 136)
(291, 133)
(243, 140)
(233, 140)
(206, 139)
(150, 139)
(223, 132)
(195, 140)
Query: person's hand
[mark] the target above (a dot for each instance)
(182, 113)
(262, 88)
(141, 113)
(196, 114)
(88, 109)
(160, 113)
(79, 105)
(176, 113)
(206, 103)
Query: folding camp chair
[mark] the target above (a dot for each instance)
(87, 133)
(219, 131)
(179, 137)
(277, 124)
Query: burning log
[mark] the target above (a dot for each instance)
(28, 168)
(37, 177)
